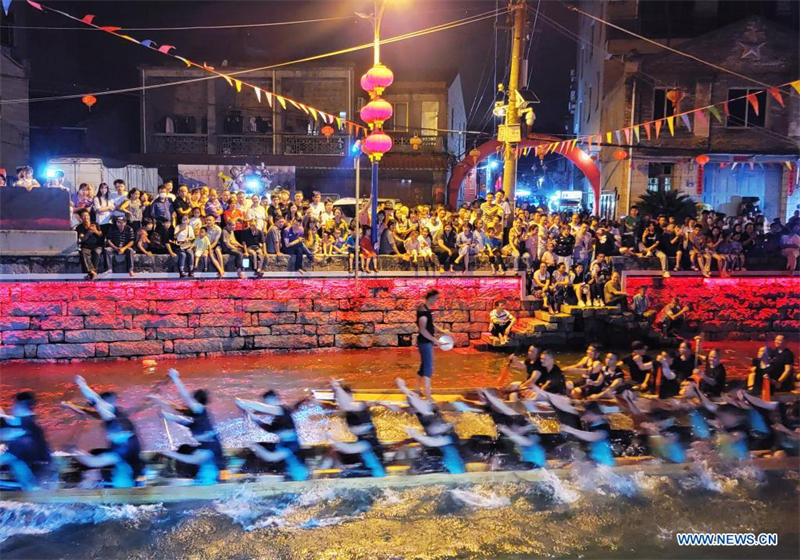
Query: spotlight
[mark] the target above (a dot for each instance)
(50, 173)
(252, 184)
(493, 164)
(356, 147)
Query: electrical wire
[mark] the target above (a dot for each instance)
(183, 28)
(411, 35)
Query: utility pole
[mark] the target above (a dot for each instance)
(511, 132)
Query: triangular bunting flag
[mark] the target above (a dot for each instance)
(627, 132)
(269, 98)
(636, 132)
(6, 5)
(574, 143)
(777, 95)
(313, 112)
(88, 19)
(149, 43)
(619, 136)
(671, 125)
(128, 38)
(186, 61)
(608, 137)
(111, 29)
(207, 67)
(647, 129)
(700, 116)
(686, 123)
(238, 85)
(165, 48)
(788, 165)
(714, 111)
(35, 5)
(296, 106)
(257, 91)
(589, 148)
(339, 123)
(753, 100)
(796, 85)
(725, 109)
(228, 79)
(281, 100)
(659, 123)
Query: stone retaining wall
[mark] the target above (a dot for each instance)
(133, 319)
(745, 307)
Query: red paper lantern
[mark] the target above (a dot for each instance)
(89, 100)
(327, 130)
(376, 144)
(620, 154)
(376, 112)
(377, 78)
(702, 159)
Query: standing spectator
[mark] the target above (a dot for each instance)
(782, 361)
(103, 207)
(367, 254)
(119, 241)
(257, 213)
(501, 322)
(214, 206)
(90, 243)
(134, 209)
(120, 199)
(254, 239)
(182, 204)
(162, 209)
(229, 245)
(184, 239)
(317, 207)
(613, 294)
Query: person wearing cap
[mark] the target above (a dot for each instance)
(119, 241)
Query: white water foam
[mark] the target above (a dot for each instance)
(480, 499)
(559, 491)
(18, 518)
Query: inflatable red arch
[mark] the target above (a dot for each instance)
(581, 159)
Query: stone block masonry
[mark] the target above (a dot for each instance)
(63, 321)
(744, 307)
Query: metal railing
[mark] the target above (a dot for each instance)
(337, 145)
(244, 144)
(170, 143)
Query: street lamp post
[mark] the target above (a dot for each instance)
(376, 112)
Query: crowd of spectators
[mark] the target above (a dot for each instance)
(567, 256)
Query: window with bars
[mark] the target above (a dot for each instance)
(740, 113)
(659, 177)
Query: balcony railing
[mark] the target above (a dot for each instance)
(401, 142)
(170, 143)
(244, 144)
(336, 145)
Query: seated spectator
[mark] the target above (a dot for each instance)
(90, 244)
(445, 247)
(25, 178)
(672, 317)
(501, 321)
(613, 294)
(182, 245)
(214, 233)
(559, 284)
(468, 245)
(119, 241)
(387, 244)
(640, 306)
(229, 245)
(325, 248)
(274, 238)
(143, 238)
(790, 247)
(202, 250)
(540, 286)
(494, 249)
(581, 293)
(293, 240)
(255, 241)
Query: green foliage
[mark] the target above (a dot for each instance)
(669, 203)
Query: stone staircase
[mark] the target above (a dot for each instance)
(573, 326)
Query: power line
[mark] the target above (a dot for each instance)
(391, 40)
(181, 28)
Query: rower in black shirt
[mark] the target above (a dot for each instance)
(552, 379)
(684, 363)
(667, 383)
(783, 360)
(640, 366)
(27, 455)
(359, 421)
(712, 377)
(207, 456)
(281, 424)
(123, 456)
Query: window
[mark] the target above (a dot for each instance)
(430, 118)
(662, 107)
(399, 120)
(659, 177)
(740, 112)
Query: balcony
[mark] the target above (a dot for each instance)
(244, 144)
(429, 144)
(170, 143)
(336, 145)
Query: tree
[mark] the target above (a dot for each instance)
(668, 203)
